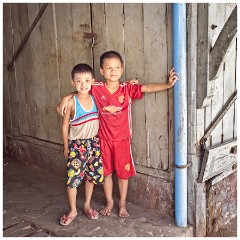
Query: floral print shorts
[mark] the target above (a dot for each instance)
(84, 162)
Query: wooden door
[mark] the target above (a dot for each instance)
(141, 33)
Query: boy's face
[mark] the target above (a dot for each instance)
(82, 82)
(112, 69)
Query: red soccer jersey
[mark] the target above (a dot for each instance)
(115, 110)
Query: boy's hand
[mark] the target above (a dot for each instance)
(62, 107)
(132, 81)
(172, 78)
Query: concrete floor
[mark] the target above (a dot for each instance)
(33, 201)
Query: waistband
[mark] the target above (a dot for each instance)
(84, 139)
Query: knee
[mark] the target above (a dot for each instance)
(108, 176)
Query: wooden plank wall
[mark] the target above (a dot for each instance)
(225, 84)
(223, 87)
(41, 73)
(7, 52)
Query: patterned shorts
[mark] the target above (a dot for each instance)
(84, 162)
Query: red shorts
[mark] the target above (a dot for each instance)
(117, 156)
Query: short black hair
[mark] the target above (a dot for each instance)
(82, 68)
(110, 54)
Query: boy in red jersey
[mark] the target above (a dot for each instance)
(114, 102)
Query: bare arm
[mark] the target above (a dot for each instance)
(62, 106)
(65, 127)
(156, 87)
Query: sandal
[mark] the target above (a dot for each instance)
(66, 220)
(92, 214)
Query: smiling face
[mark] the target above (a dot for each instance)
(112, 69)
(82, 82)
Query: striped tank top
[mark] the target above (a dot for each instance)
(84, 124)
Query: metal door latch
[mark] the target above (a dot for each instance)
(92, 36)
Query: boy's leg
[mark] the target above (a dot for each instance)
(108, 188)
(93, 175)
(67, 218)
(74, 171)
(72, 195)
(123, 188)
(88, 195)
(89, 212)
(107, 160)
(124, 170)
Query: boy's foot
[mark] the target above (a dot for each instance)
(67, 218)
(91, 214)
(123, 213)
(108, 209)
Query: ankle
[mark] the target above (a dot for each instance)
(122, 202)
(73, 212)
(110, 201)
(87, 206)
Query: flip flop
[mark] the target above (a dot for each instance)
(66, 220)
(92, 214)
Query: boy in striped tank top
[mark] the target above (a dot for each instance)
(81, 144)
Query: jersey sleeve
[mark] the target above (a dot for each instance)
(135, 91)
